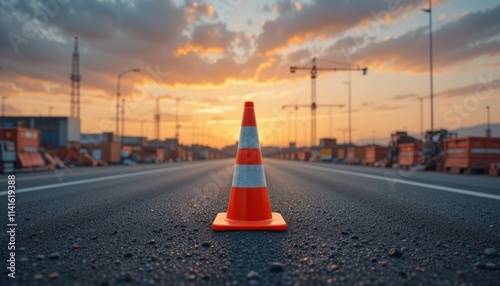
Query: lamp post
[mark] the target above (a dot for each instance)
(118, 97)
(430, 62)
(421, 99)
(50, 110)
(4, 97)
(123, 116)
(488, 129)
(350, 126)
(142, 128)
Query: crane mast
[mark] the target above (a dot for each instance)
(314, 72)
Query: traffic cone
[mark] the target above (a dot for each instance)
(249, 207)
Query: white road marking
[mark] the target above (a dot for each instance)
(405, 182)
(93, 180)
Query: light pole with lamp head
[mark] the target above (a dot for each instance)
(118, 98)
(488, 129)
(421, 99)
(430, 63)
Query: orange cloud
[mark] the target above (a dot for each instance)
(188, 48)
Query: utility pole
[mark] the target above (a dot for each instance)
(297, 106)
(314, 72)
(142, 128)
(123, 117)
(488, 129)
(430, 63)
(305, 133)
(118, 97)
(193, 133)
(349, 95)
(157, 119)
(177, 126)
(296, 128)
(288, 126)
(4, 97)
(421, 99)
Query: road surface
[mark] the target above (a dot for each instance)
(151, 225)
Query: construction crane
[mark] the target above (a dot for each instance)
(297, 106)
(314, 72)
(75, 78)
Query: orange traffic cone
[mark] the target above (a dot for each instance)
(249, 207)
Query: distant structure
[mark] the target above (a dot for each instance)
(75, 83)
(177, 126)
(157, 119)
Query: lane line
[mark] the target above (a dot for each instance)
(67, 173)
(404, 182)
(100, 179)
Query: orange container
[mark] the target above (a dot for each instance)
(409, 154)
(471, 153)
(25, 139)
(304, 155)
(341, 154)
(374, 154)
(355, 155)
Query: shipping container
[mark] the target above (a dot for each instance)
(173, 155)
(110, 152)
(25, 139)
(327, 143)
(495, 169)
(355, 155)
(341, 153)
(409, 154)
(471, 154)
(27, 145)
(326, 154)
(304, 155)
(374, 154)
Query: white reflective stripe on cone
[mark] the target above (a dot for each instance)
(249, 176)
(249, 137)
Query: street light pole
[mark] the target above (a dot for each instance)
(4, 97)
(421, 99)
(488, 129)
(430, 63)
(118, 97)
(350, 126)
(331, 122)
(296, 128)
(142, 128)
(50, 110)
(123, 116)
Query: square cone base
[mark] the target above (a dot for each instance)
(221, 223)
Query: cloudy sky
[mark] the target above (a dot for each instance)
(216, 54)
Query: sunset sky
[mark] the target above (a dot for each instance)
(216, 54)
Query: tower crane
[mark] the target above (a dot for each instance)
(314, 72)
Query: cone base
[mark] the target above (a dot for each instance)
(221, 223)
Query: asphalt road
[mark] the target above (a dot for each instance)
(151, 225)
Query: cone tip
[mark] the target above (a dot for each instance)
(249, 104)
